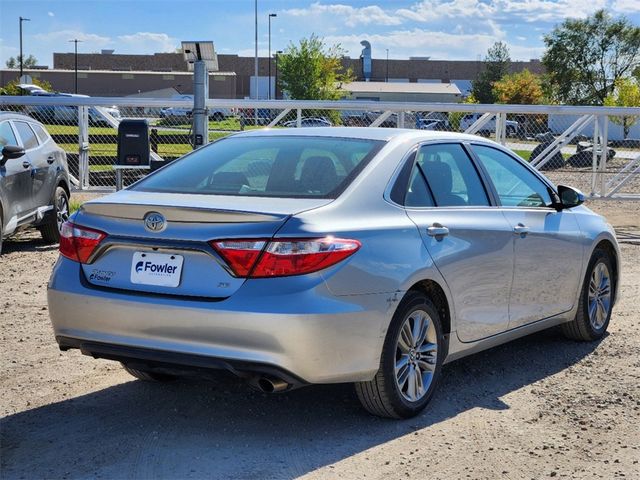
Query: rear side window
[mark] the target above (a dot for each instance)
(298, 167)
(27, 136)
(452, 179)
(7, 136)
(42, 134)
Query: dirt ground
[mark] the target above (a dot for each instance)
(536, 408)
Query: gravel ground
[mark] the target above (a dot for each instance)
(539, 407)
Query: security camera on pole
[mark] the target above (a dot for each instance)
(202, 58)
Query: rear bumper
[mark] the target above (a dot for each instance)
(292, 326)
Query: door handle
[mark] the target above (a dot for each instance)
(51, 159)
(437, 230)
(520, 229)
(26, 164)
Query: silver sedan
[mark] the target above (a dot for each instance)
(323, 255)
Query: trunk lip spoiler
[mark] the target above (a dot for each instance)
(178, 214)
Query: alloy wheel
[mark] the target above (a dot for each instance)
(599, 295)
(62, 211)
(416, 355)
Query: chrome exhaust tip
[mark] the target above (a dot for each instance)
(272, 384)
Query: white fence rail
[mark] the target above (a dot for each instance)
(596, 149)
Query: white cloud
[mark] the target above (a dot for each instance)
(65, 35)
(550, 10)
(417, 42)
(350, 16)
(626, 6)
(51, 14)
(146, 42)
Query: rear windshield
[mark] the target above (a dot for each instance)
(302, 167)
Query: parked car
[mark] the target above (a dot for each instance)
(430, 124)
(34, 179)
(216, 114)
(309, 122)
(511, 126)
(363, 255)
(66, 114)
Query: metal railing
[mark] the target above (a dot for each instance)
(596, 149)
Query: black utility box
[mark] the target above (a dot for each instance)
(133, 143)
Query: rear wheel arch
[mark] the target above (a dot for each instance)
(436, 293)
(62, 183)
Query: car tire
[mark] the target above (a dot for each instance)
(595, 302)
(51, 229)
(391, 392)
(510, 132)
(148, 376)
(217, 117)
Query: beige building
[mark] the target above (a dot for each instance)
(403, 92)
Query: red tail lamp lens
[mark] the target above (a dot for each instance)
(283, 257)
(78, 243)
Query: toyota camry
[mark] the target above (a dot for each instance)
(325, 255)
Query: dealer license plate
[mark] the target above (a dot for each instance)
(161, 269)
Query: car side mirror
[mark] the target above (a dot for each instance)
(570, 197)
(9, 152)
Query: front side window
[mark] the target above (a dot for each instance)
(7, 136)
(515, 185)
(451, 176)
(278, 166)
(27, 136)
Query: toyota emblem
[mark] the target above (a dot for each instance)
(154, 222)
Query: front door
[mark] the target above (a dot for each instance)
(470, 242)
(42, 177)
(15, 179)
(547, 245)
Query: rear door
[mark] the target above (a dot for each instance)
(469, 241)
(548, 250)
(15, 178)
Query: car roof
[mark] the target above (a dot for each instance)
(365, 133)
(7, 115)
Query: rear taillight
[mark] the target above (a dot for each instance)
(283, 257)
(78, 243)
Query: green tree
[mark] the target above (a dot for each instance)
(522, 88)
(585, 58)
(626, 93)
(29, 62)
(496, 65)
(312, 70)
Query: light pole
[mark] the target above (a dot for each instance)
(75, 41)
(255, 60)
(278, 52)
(387, 65)
(270, 16)
(22, 19)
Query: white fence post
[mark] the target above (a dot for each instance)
(299, 117)
(83, 146)
(603, 153)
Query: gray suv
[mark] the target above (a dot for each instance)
(34, 178)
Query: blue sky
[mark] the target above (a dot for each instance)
(441, 29)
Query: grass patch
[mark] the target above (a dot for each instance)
(74, 205)
(526, 154)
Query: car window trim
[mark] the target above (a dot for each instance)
(19, 137)
(522, 162)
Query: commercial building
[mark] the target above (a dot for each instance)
(111, 74)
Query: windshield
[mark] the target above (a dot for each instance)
(278, 166)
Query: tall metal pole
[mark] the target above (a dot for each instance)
(75, 41)
(270, 15)
(255, 110)
(387, 75)
(22, 19)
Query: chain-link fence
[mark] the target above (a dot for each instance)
(595, 149)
